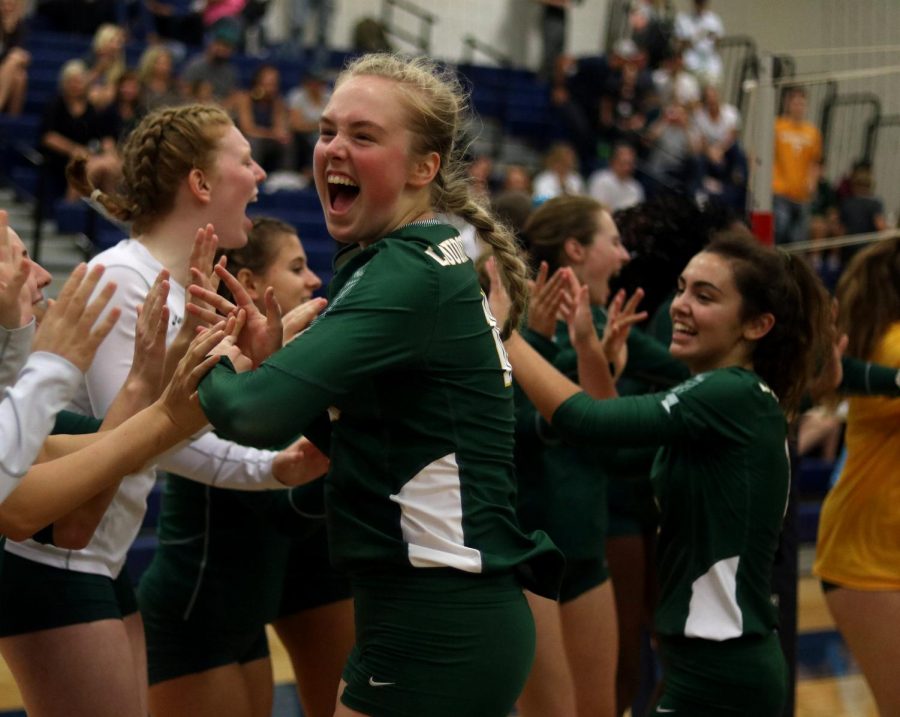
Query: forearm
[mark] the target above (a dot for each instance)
(868, 379)
(224, 464)
(62, 445)
(545, 387)
(134, 396)
(51, 490)
(27, 412)
(593, 370)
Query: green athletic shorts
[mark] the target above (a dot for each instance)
(310, 581)
(581, 576)
(34, 596)
(746, 676)
(438, 642)
(176, 648)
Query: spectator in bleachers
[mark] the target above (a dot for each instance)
(625, 99)
(825, 224)
(14, 58)
(560, 175)
(796, 168)
(301, 14)
(651, 29)
(157, 77)
(127, 108)
(673, 83)
(862, 212)
(554, 18)
(306, 103)
(516, 178)
(216, 10)
(724, 165)
(263, 118)
(106, 64)
(215, 65)
(575, 97)
(73, 127)
(699, 33)
(615, 187)
(481, 171)
(177, 20)
(674, 148)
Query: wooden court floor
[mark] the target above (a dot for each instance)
(818, 695)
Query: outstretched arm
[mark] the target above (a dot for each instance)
(52, 489)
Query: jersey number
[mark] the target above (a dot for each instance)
(505, 365)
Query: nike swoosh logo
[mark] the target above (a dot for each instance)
(664, 710)
(375, 683)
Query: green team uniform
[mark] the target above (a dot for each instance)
(421, 492)
(554, 475)
(721, 480)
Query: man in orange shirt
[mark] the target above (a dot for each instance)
(795, 171)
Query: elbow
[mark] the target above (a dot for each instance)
(72, 535)
(16, 530)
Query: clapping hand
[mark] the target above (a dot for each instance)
(620, 317)
(71, 326)
(261, 334)
(549, 299)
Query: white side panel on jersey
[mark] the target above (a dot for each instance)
(714, 613)
(431, 518)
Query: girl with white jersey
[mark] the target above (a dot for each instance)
(183, 168)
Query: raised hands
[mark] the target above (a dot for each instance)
(549, 299)
(14, 270)
(203, 254)
(620, 317)
(147, 366)
(70, 327)
(261, 334)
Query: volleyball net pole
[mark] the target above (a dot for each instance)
(762, 222)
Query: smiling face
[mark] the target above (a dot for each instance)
(233, 183)
(596, 263)
(707, 327)
(288, 274)
(364, 168)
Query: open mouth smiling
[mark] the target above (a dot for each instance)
(342, 192)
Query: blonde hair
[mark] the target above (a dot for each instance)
(70, 68)
(158, 154)
(436, 108)
(104, 35)
(148, 61)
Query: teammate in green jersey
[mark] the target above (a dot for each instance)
(205, 602)
(409, 365)
(751, 324)
(575, 666)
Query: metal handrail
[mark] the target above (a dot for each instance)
(422, 41)
(472, 44)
